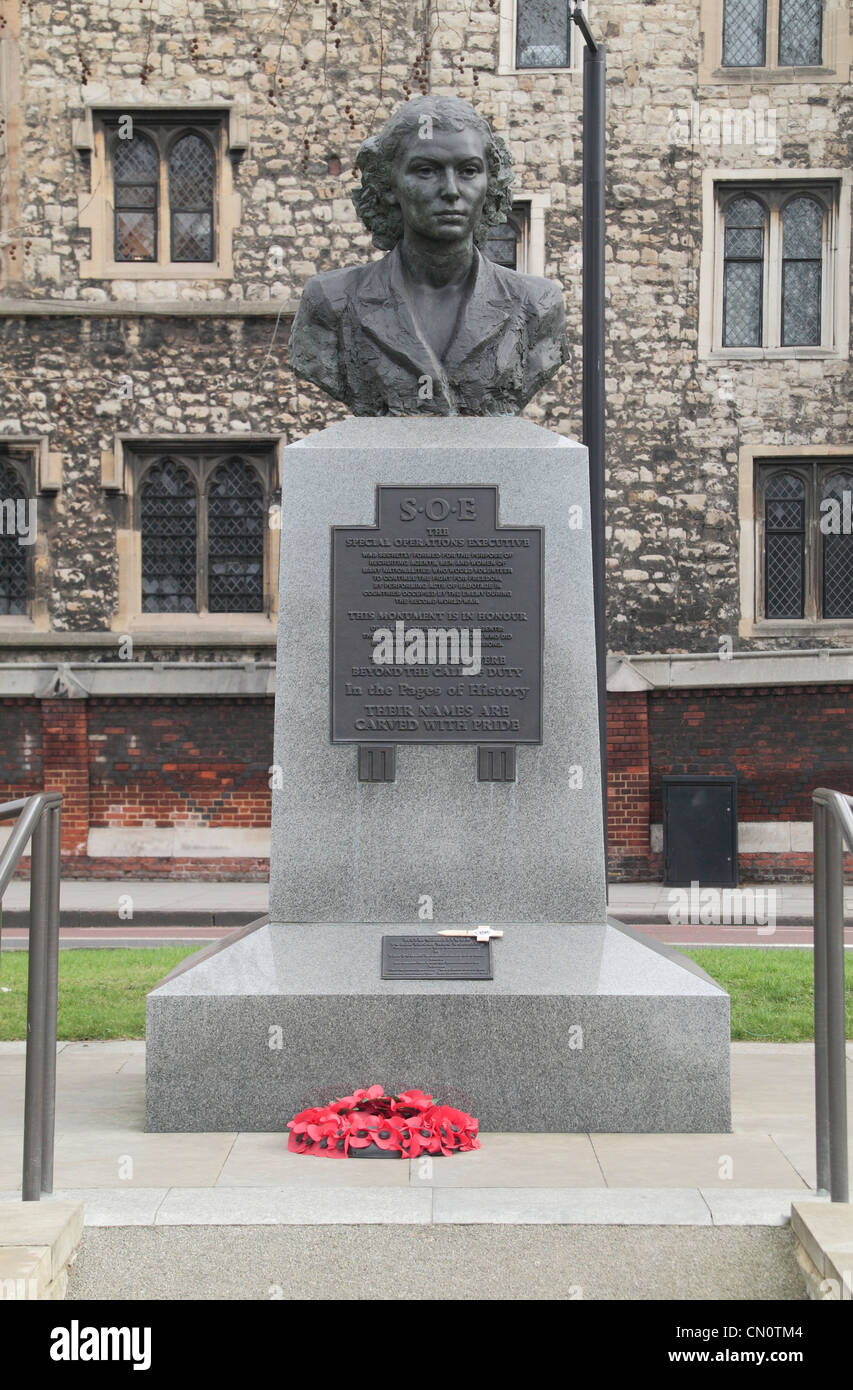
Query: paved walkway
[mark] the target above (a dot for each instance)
(129, 1178)
(96, 913)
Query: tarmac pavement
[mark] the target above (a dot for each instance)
(133, 912)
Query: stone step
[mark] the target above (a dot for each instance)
(38, 1242)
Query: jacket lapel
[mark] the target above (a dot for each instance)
(384, 314)
(483, 318)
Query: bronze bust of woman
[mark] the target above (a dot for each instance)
(434, 327)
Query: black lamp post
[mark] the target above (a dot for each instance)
(594, 73)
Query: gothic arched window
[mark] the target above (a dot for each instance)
(784, 546)
(806, 514)
(779, 280)
(743, 273)
(165, 179)
(837, 534)
(136, 179)
(192, 179)
(235, 538)
(168, 525)
(802, 246)
(203, 521)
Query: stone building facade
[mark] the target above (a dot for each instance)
(145, 304)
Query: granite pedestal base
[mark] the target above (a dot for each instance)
(584, 1027)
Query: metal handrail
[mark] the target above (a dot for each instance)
(833, 828)
(39, 820)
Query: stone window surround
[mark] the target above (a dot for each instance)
(120, 467)
(749, 523)
(506, 46)
(42, 471)
(836, 49)
(835, 299)
(95, 207)
(531, 245)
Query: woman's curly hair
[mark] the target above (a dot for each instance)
(376, 161)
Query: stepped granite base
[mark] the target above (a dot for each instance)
(582, 1028)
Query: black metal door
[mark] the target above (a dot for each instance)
(700, 831)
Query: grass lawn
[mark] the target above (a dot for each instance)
(102, 992)
(772, 991)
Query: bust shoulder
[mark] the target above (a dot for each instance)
(538, 294)
(336, 288)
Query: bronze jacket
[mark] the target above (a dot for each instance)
(355, 335)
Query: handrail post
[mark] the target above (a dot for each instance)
(54, 824)
(835, 1005)
(36, 1022)
(821, 1068)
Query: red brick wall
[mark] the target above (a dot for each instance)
(140, 762)
(20, 748)
(152, 762)
(629, 855)
(782, 742)
(64, 757)
(137, 762)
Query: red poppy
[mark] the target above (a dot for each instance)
(410, 1124)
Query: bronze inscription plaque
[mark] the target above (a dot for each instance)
(437, 622)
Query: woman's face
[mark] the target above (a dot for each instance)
(440, 183)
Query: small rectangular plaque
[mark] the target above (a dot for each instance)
(436, 958)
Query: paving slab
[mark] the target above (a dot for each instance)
(295, 1206)
(262, 1160)
(712, 1160)
(751, 1206)
(669, 1206)
(110, 1206)
(104, 1158)
(515, 1160)
(129, 1175)
(825, 1230)
(50, 1223)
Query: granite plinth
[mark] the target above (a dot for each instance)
(584, 1027)
(349, 851)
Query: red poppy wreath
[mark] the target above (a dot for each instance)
(407, 1125)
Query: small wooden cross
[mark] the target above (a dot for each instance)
(483, 933)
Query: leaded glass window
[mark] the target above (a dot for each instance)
(800, 36)
(169, 520)
(806, 510)
(743, 275)
(784, 546)
(136, 179)
(14, 577)
(506, 243)
(543, 34)
(778, 279)
(802, 238)
(202, 514)
(837, 534)
(191, 189)
(235, 522)
(744, 33)
(165, 183)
